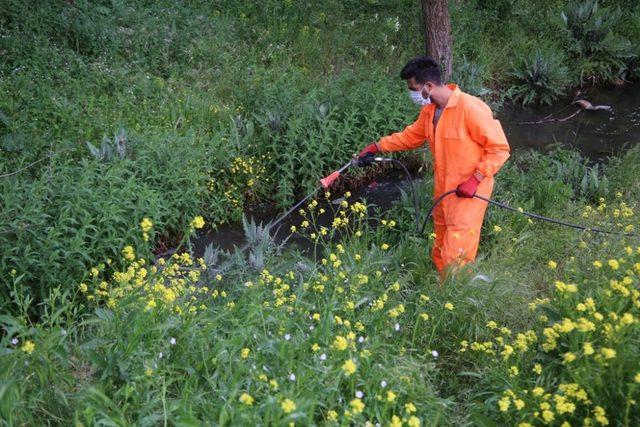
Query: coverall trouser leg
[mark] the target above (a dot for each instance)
(457, 226)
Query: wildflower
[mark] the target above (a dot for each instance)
(568, 357)
(146, 224)
(552, 265)
(383, 383)
(597, 264)
(323, 356)
(293, 229)
(349, 367)
(246, 399)
(514, 371)
(608, 353)
(504, 403)
(518, 403)
(332, 416)
(292, 376)
(14, 341)
(613, 264)
(359, 394)
(356, 406)
(288, 406)
(537, 391)
(395, 421)
(410, 408)
(637, 378)
(245, 353)
(340, 343)
(434, 353)
(384, 246)
(587, 348)
(548, 416)
(28, 347)
(497, 228)
(448, 306)
(128, 253)
(391, 396)
(172, 341)
(197, 222)
(537, 368)
(601, 415)
(83, 288)
(413, 421)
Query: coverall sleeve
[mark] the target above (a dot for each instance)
(413, 136)
(487, 132)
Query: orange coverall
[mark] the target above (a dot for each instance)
(466, 139)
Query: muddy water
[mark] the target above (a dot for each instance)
(595, 133)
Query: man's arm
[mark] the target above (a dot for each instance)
(413, 136)
(487, 132)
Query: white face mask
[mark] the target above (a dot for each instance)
(416, 97)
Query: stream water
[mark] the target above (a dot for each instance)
(596, 134)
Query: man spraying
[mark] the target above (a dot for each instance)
(468, 147)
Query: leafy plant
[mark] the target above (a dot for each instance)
(109, 148)
(539, 76)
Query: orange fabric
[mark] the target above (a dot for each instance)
(466, 139)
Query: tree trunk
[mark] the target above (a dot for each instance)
(438, 41)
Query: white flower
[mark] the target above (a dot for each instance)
(311, 328)
(64, 332)
(172, 341)
(359, 394)
(434, 353)
(14, 341)
(397, 326)
(287, 337)
(361, 340)
(160, 355)
(383, 383)
(292, 377)
(323, 356)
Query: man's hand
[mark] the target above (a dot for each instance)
(468, 188)
(371, 148)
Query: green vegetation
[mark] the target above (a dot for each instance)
(366, 334)
(140, 116)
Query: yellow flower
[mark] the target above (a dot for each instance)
(128, 253)
(83, 288)
(148, 372)
(587, 349)
(413, 421)
(340, 343)
(552, 265)
(497, 228)
(28, 347)
(637, 378)
(513, 371)
(197, 222)
(146, 224)
(597, 264)
(448, 306)
(568, 357)
(384, 246)
(246, 399)
(518, 403)
(391, 396)
(504, 404)
(613, 264)
(349, 367)
(395, 421)
(537, 391)
(608, 353)
(537, 368)
(288, 406)
(332, 416)
(410, 408)
(548, 416)
(356, 406)
(245, 353)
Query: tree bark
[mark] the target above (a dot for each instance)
(438, 41)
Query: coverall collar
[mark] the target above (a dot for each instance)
(453, 99)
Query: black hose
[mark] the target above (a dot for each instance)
(436, 202)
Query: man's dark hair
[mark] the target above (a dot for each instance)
(423, 69)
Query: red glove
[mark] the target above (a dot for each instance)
(371, 148)
(468, 188)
